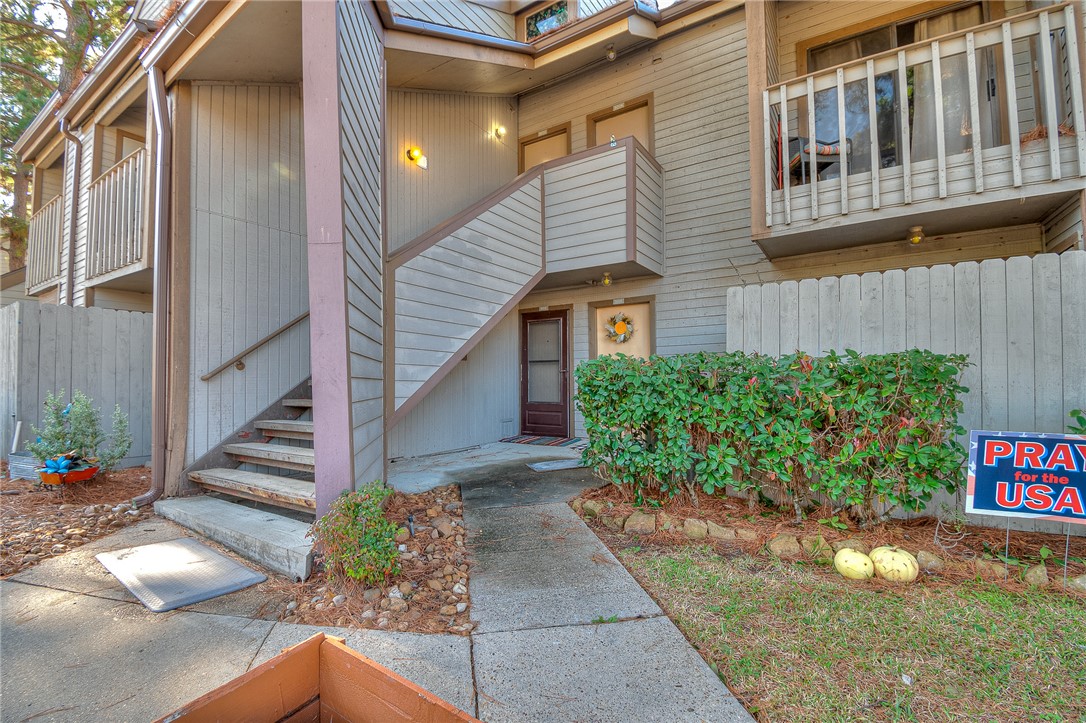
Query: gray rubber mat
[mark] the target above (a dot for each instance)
(167, 575)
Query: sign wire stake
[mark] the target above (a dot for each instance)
(1066, 550)
(1007, 552)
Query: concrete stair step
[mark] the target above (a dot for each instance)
(272, 455)
(298, 402)
(286, 428)
(271, 489)
(268, 539)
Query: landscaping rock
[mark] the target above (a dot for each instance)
(717, 532)
(640, 523)
(405, 588)
(592, 508)
(339, 600)
(929, 562)
(817, 547)
(397, 605)
(448, 610)
(461, 607)
(1036, 575)
(371, 595)
(459, 589)
(446, 529)
(747, 535)
(785, 546)
(614, 522)
(851, 544)
(695, 529)
(1077, 584)
(402, 535)
(988, 570)
(578, 506)
(435, 585)
(664, 521)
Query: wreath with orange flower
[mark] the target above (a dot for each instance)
(620, 328)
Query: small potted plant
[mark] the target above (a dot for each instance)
(72, 447)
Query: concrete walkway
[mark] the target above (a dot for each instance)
(75, 645)
(542, 585)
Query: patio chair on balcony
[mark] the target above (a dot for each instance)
(827, 157)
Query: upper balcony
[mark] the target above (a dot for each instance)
(116, 244)
(974, 129)
(43, 247)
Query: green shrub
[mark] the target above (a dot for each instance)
(866, 432)
(77, 427)
(356, 539)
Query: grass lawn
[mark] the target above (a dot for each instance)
(796, 644)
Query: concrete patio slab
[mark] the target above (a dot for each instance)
(513, 484)
(440, 664)
(420, 474)
(525, 528)
(70, 657)
(634, 671)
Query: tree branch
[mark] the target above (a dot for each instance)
(33, 27)
(27, 73)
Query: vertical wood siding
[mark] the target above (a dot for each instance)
(461, 15)
(66, 217)
(481, 394)
(103, 353)
(361, 67)
(248, 253)
(466, 162)
(86, 175)
(1021, 321)
(447, 293)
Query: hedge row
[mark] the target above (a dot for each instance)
(868, 433)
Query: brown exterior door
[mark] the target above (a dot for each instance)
(544, 374)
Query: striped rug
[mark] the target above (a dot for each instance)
(571, 442)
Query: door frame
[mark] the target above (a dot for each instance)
(566, 128)
(558, 312)
(641, 101)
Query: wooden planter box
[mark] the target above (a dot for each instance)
(319, 679)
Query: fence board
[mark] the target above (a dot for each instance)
(102, 352)
(1021, 322)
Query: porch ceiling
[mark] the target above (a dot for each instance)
(262, 44)
(955, 215)
(426, 63)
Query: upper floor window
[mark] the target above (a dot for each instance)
(547, 20)
(920, 91)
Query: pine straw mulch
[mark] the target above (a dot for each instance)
(958, 546)
(38, 522)
(441, 558)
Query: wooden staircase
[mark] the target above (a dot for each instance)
(293, 490)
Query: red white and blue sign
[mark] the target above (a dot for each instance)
(1036, 476)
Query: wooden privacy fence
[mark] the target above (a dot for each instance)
(102, 352)
(1022, 321)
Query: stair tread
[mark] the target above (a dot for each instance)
(275, 541)
(274, 487)
(298, 402)
(294, 425)
(273, 452)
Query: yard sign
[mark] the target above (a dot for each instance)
(1038, 476)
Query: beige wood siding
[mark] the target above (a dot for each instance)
(460, 15)
(66, 217)
(481, 394)
(52, 183)
(151, 10)
(466, 161)
(123, 300)
(585, 8)
(361, 67)
(449, 292)
(86, 175)
(586, 212)
(1064, 228)
(649, 199)
(247, 253)
(132, 121)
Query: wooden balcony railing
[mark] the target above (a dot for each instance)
(43, 247)
(997, 107)
(115, 217)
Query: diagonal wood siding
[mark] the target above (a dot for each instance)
(460, 15)
(105, 354)
(1022, 321)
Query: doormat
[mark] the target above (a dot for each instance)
(167, 575)
(571, 442)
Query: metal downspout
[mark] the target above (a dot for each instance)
(156, 85)
(77, 162)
